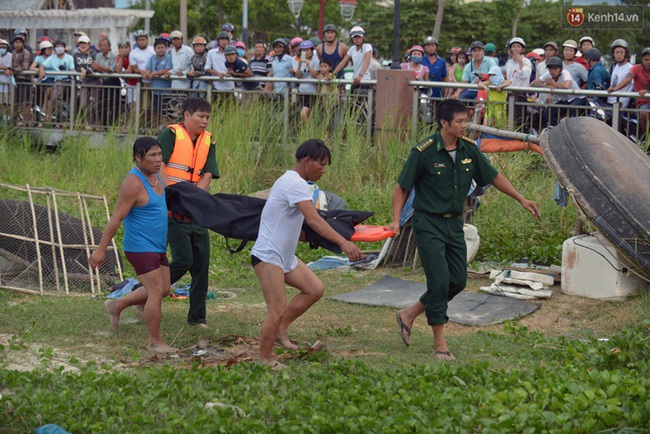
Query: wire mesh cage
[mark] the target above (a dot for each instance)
(46, 236)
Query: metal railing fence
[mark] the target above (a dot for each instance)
(106, 101)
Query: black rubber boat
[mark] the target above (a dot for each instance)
(608, 177)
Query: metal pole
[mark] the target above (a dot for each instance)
(511, 111)
(395, 63)
(321, 18)
(416, 112)
(616, 114)
(369, 117)
(73, 100)
(138, 106)
(244, 23)
(147, 21)
(285, 133)
(504, 133)
(183, 19)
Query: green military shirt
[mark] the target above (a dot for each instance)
(440, 184)
(167, 140)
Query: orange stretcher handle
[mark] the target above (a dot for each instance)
(370, 233)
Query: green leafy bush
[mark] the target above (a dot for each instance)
(583, 387)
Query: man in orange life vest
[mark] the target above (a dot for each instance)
(189, 156)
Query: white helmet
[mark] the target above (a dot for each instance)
(517, 40)
(45, 44)
(357, 31)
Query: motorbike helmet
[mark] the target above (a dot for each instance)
(430, 40)
(593, 54)
(517, 40)
(330, 28)
(295, 41)
(140, 33)
(280, 41)
(621, 43)
(228, 27)
(304, 45)
(554, 61)
(587, 39)
(570, 43)
(357, 31)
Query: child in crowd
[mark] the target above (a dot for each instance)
(495, 114)
(158, 68)
(325, 76)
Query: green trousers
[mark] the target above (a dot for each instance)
(441, 245)
(190, 249)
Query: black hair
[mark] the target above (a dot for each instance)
(314, 149)
(326, 61)
(447, 109)
(142, 145)
(193, 105)
(259, 41)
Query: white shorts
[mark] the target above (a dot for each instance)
(131, 93)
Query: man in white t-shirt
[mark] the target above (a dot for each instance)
(181, 60)
(360, 54)
(141, 53)
(621, 55)
(215, 64)
(273, 256)
(556, 78)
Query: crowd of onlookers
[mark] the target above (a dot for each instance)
(171, 63)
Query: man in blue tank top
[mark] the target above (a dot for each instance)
(332, 49)
(141, 204)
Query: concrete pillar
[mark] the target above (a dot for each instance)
(394, 104)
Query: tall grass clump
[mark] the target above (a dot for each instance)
(507, 231)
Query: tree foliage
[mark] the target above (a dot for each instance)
(267, 19)
(539, 21)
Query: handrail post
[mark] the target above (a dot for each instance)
(73, 99)
(369, 104)
(285, 133)
(138, 105)
(511, 111)
(616, 114)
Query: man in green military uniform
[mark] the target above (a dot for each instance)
(189, 156)
(441, 169)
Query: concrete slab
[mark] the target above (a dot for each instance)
(467, 308)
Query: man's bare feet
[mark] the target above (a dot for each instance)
(444, 355)
(161, 348)
(285, 342)
(115, 316)
(139, 312)
(274, 364)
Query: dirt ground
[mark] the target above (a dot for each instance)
(562, 314)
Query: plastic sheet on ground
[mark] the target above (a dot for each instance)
(468, 308)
